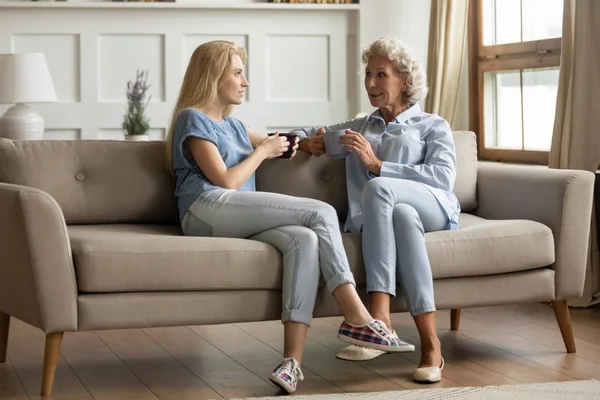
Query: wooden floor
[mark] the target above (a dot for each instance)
(494, 346)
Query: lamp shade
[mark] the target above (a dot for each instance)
(25, 78)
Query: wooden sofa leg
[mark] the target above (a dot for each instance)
(561, 312)
(51, 355)
(4, 328)
(454, 319)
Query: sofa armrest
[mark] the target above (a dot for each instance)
(559, 199)
(37, 278)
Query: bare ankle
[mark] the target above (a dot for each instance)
(380, 307)
(353, 309)
(431, 344)
(431, 356)
(385, 318)
(358, 320)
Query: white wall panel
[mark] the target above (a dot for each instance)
(119, 59)
(299, 67)
(110, 134)
(62, 134)
(157, 134)
(62, 56)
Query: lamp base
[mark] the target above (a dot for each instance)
(22, 122)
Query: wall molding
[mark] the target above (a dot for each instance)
(302, 65)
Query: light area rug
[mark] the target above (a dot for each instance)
(575, 390)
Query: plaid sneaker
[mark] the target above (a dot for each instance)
(374, 335)
(287, 375)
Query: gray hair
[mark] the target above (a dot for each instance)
(405, 62)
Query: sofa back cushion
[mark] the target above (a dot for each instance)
(95, 181)
(320, 178)
(98, 181)
(324, 179)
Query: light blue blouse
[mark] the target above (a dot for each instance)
(232, 142)
(415, 145)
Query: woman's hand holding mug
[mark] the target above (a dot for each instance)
(273, 146)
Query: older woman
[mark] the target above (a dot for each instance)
(400, 175)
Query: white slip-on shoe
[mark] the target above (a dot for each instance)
(429, 374)
(361, 353)
(358, 353)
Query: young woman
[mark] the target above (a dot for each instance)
(214, 158)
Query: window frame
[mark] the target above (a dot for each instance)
(542, 53)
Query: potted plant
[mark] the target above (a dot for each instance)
(135, 122)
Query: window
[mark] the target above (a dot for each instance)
(514, 51)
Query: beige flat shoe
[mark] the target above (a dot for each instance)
(429, 374)
(358, 353)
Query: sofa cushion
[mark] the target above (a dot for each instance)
(324, 179)
(481, 247)
(112, 181)
(129, 258)
(320, 178)
(95, 180)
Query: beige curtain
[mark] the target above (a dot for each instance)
(445, 59)
(576, 138)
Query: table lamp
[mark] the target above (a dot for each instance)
(24, 78)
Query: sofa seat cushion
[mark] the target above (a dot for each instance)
(129, 258)
(480, 247)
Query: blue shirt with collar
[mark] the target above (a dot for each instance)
(416, 145)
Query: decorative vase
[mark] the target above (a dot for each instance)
(22, 122)
(137, 138)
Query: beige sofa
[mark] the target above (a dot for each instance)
(89, 240)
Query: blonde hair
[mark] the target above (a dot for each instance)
(405, 62)
(208, 68)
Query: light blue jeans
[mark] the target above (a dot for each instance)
(397, 213)
(306, 231)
